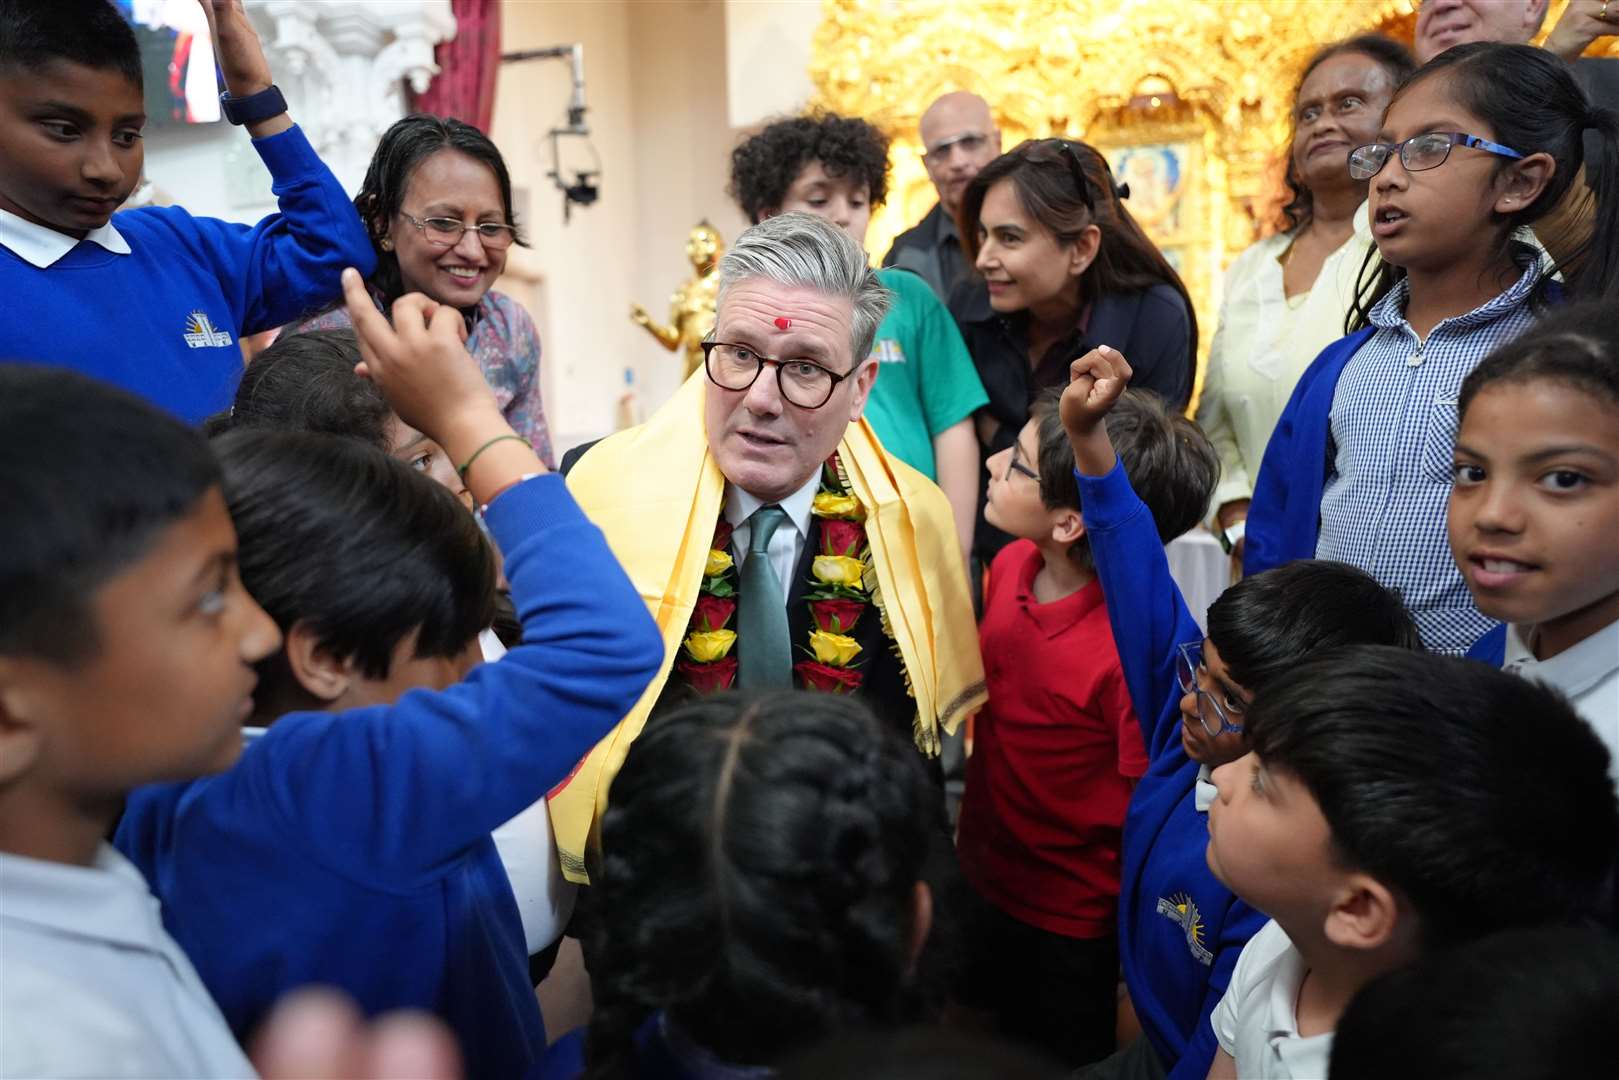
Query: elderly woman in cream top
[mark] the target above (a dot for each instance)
(1286, 296)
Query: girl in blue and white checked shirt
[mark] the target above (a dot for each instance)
(1482, 141)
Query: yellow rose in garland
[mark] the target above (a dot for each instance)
(718, 562)
(834, 649)
(706, 646)
(833, 504)
(839, 570)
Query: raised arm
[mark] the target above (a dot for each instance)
(1144, 605)
(288, 264)
(437, 771)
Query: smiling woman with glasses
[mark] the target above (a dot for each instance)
(1285, 297)
(437, 201)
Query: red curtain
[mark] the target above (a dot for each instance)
(465, 85)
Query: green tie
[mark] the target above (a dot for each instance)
(765, 659)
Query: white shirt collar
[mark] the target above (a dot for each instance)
(1574, 670)
(43, 247)
(106, 901)
(739, 505)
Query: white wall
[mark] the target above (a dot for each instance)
(767, 48)
(655, 87)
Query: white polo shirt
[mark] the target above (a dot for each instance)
(1588, 673)
(1257, 1021)
(92, 985)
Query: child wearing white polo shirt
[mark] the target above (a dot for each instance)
(1394, 803)
(127, 646)
(1535, 508)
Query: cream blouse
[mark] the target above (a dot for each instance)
(1263, 344)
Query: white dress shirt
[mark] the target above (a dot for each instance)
(1588, 673)
(786, 544)
(41, 247)
(1257, 1019)
(93, 985)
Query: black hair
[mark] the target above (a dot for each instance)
(1577, 344)
(37, 33)
(1535, 1004)
(1392, 56)
(1042, 174)
(920, 1053)
(306, 382)
(764, 166)
(1481, 798)
(1532, 103)
(357, 545)
(92, 477)
(1170, 462)
(404, 146)
(1267, 624)
(760, 856)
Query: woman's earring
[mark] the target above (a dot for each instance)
(386, 244)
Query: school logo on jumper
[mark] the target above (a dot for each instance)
(1183, 909)
(200, 332)
(889, 352)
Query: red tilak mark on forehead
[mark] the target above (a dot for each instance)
(783, 322)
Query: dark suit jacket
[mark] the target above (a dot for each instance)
(882, 689)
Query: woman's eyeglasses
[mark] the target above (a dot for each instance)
(1077, 170)
(446, 232)
(1419, 153)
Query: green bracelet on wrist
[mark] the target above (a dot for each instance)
(462, 470)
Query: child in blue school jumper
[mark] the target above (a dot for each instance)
(1359, 467)
(82, 284)
(351, 844)
(1180, 929)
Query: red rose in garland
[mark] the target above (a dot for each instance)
(833, 680)
(722, 535)
(837, 616)
(707, 678)
(712, 612)
(842, 537)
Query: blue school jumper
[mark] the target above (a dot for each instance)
(1385, 490)
(1180, 930)
(353, 849)
(164, 321)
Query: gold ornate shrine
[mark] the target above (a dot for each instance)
(1189, 98)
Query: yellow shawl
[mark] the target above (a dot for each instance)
(656, 493)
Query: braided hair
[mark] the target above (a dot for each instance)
(760, 857)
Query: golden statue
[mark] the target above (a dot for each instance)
(691, 309)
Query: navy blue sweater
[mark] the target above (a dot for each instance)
(164, 320)
(352, 849)
(1180, 930)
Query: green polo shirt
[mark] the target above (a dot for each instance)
(926, 381)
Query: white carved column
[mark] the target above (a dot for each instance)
(343, 65)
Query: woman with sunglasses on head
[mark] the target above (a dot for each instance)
(1062, 268)
(437, 201)
(1286, 296)
(1180, 929)
(1484, 140)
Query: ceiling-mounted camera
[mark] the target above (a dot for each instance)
(584, 190)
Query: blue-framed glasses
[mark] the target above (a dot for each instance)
(1419, 152)
(1215, 717)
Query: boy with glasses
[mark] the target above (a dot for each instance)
(1058, 749)
(1180, 928)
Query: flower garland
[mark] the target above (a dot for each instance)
(839, 595)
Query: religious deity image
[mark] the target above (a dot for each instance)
(691, 308)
